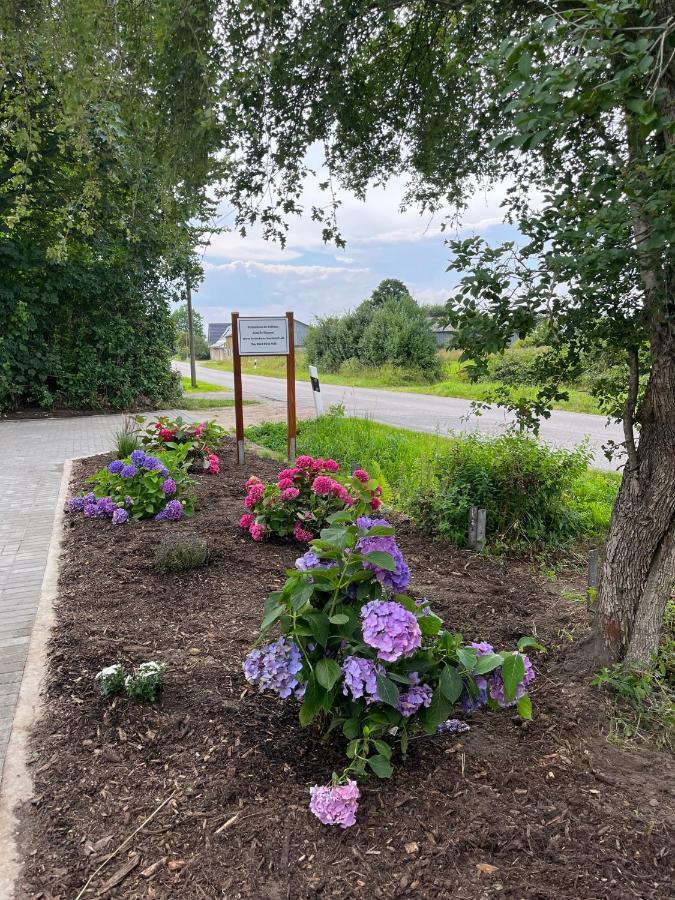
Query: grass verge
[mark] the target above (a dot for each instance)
(203, 387)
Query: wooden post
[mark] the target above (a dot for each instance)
(477, 526)
(290, 389)
(191, 332)
(238, 397)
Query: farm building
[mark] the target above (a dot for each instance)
(221, 345)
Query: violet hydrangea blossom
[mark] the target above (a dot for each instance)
(497, 685)
(396, 581)
(390, 629)
(120, 516)
(360, 678)
(115, 467)
(76, 504)
(335, 804)
(173, 511)
(417, 696)
(275, 668)
(168, 487)
(128, 471)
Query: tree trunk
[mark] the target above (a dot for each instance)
(639, 569)
(638, 575)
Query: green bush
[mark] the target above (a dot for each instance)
(517, 365)
(181, 556)
(533, 495)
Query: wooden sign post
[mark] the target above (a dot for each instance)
(264, 336)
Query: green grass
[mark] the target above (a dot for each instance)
(403, 462)
(455, 384)
(203, 387)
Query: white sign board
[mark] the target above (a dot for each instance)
(263, 337)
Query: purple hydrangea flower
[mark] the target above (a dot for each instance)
(497, 684)
(76, 504)
(138, 457)
(310, 560)
(90, 497)
(360, 678)
(90, 510)
(390, 629)
(335, 804)
(120, 516)
(128, 501)
(482, 648)
(417, 696)
(472, 703)
(116, 466)
(105, 507)
(453, 727)
(169, 487)
(173, 511)
(151, 463)
(423, 604)
(275, 667)
(128, 471)
(162, 469)
(396, 581)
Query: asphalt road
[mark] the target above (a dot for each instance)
(425, 412)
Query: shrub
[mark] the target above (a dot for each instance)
(139, 487)
(181, 556)
(371, 661)
(127, 438)
(524, 486)
(198, 438)
(300, 502)
(145, 682)
(517, 365)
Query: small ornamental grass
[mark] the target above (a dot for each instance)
(369, 661)
(199, 439)
(143, 684)
(303, 498)
(139, 487)
(181, 556)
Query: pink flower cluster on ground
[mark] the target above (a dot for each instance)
(335, 804)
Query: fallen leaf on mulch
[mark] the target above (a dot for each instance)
(486, 868)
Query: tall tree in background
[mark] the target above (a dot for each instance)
(574, 104)
(179, 317)
(109, 124)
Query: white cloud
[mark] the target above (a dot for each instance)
(305, 272)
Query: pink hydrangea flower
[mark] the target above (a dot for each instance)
(214, 464)
(375, 503)
(256, 491)
(247, 520)
(330, 465)
(257, 532)
(322, 484)
(335, 804)
(290, 494)
(301, 534)
(304, 462)
(361, 475)
(284, 483)
(252, 480)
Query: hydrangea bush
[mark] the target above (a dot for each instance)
(299, 503)
(369, 661)
(199, 437)
(139, 487)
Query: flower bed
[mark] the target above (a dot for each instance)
(199, 437)
(547, 808)
(303, 497)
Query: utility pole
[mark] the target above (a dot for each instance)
(191, 333)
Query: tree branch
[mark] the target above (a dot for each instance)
(629, 408)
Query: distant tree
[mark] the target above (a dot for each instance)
(391, 289)
(179, 317)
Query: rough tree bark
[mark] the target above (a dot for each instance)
(638, 575)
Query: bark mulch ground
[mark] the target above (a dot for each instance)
(547, 809)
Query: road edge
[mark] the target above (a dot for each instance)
(17, 784)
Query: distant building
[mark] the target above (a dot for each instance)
(216, 331)
(443, 334)
(221, 347)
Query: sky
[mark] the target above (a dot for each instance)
(257, 277)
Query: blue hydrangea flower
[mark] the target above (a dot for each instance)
(151, 463)
(115, 467)
(128, 471)
(275, 668)
(138, 457)
(76, 504)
